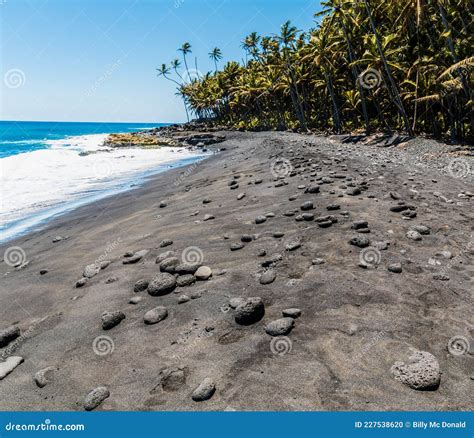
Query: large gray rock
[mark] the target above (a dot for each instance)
(280, 327)
(155, 315)
(420, 372)
(95, 398)
(204, 391)
(250, 311)
(162, 284)
(9, 334)
(9, 365)
(111, 319)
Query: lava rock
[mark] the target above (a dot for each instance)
(111, 319)
(162, 284)
(250, 311)
(140, 285)
(96, 397)
(421, 371)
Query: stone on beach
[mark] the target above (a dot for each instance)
(280, 327)
(203, 273)
(111, 319)
(204, 391)
(293, 312)
(8, 335)
(9, 365)
(91, 270)
(140, 285)
(420, 372)
(96, 397)
(136, 257)
(250, 311)
(185, 280)
(155, 315)
(44, 376)
(268, 277)
(162, 284)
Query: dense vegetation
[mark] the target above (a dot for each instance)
(380, 65)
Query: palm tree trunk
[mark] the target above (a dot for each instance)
(394, 89)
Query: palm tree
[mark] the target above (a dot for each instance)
(185, 49)
(215, 55)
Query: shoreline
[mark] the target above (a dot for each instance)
(104, 172)
(355, 322)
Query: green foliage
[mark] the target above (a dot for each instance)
(385, 65)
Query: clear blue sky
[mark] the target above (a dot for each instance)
(95, 60)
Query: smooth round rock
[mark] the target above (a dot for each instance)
(203, 273)
(280, 327)
(155, 315)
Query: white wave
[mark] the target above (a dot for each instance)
(35, 181)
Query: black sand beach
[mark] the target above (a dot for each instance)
(372, 244)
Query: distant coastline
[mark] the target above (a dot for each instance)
(47, 169)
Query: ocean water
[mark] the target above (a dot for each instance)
(45, 173)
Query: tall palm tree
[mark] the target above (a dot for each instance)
(215, 55)
(185, 49)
